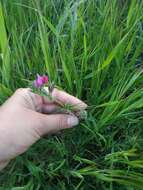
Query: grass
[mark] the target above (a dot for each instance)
(93, 50)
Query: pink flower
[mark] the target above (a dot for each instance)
(40, 81)
(45, 79)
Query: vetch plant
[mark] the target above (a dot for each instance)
(44, 87)
(40, 81)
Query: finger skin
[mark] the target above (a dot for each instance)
(3, 164)
(55, 122)
(49, 108)
(66, 98)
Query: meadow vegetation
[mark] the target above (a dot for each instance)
(93, 49)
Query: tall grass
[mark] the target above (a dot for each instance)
(92, 49)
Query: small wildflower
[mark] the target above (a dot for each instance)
(40, 81)
(45, 79)
(39, 84)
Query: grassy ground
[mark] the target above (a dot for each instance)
(93, 49)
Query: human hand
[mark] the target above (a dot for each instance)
(26, 116)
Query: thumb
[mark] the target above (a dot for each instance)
(55, 122)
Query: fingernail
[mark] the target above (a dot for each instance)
(85, 105)
(72, 121)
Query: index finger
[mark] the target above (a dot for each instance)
(66, 98)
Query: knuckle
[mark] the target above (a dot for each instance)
(21, 91)
(40, 126)
(55, 93)
(37, 132)
(36, 101)
(62, 122)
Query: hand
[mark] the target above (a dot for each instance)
(26, 116)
